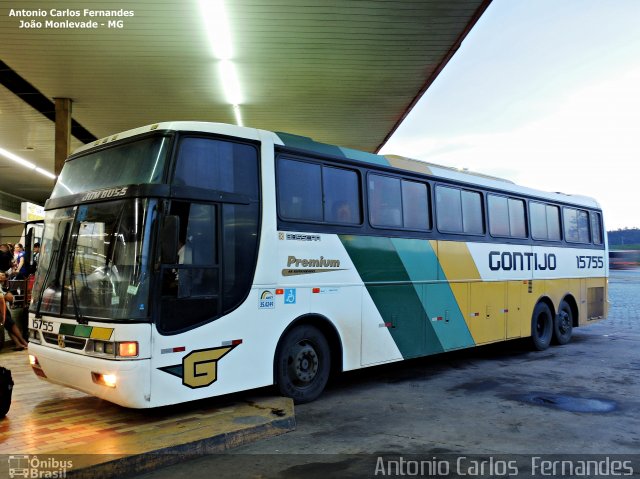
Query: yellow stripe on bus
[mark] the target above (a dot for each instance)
(101, 333)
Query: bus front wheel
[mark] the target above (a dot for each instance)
(541, 327)
(303, 362)
(563, 324)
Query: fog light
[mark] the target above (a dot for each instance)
(128, 349)
(108, 380)
(33, 360)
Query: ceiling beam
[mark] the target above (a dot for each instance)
(30, 95)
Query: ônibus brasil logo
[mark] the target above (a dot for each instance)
(38, 468)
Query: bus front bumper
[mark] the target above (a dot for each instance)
(126, 383)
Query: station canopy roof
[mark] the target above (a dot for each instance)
(344, 72)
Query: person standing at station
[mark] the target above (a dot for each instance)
(5, 316)
(20, 269)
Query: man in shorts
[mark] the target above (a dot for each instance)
(5, 315)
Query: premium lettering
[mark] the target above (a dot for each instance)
(313, 263)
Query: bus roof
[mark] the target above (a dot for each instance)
(304, 143)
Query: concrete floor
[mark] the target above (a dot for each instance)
(500, 402)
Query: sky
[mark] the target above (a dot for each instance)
(545, 93)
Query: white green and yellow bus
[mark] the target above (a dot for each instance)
(185, 260)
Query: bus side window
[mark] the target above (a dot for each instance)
(300, 190)
(217, 165)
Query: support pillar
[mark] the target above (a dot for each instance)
(63, 133)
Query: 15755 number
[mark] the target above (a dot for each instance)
(590, 262)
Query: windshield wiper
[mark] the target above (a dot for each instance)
(72, 279)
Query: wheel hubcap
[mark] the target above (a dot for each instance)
(303, 363)
(564, 322)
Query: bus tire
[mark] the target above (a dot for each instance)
(541, 327)
(303, 363)
(563, 324)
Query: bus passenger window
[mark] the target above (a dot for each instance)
(472, 219)
(553, 222)
(576, 225)
(459, 211)
(545, 221)
(385, 203)
(449, 209)
(299, 190)
(517, 222)
(498, 216)
(341, 196)
(415, 205)
(596, 229)
(506, 217)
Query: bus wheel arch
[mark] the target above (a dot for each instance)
(542, 324)
(308, 351)
(564, 321)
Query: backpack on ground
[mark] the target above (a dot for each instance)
(6, 389)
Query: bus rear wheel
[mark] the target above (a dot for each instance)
(303, 363)
(541, 327)
(563, 324)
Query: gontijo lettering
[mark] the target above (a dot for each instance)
(527, 261)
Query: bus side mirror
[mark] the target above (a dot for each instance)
(169, 239)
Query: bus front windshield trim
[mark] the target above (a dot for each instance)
(95, 261)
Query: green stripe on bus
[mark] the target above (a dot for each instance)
(83, 331)
(392, 291)
(78, 330)
(438, 300)
(306, 143)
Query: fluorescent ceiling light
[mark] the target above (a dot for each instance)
(230, 82)
(215, 19)
(17, 159)
(236, 110)
(25, 163)
(45, 173)
(219, 34)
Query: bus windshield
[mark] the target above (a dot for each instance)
(95, 261)
(135, 162)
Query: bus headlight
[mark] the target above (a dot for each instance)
(128, 349)
(124, 349)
